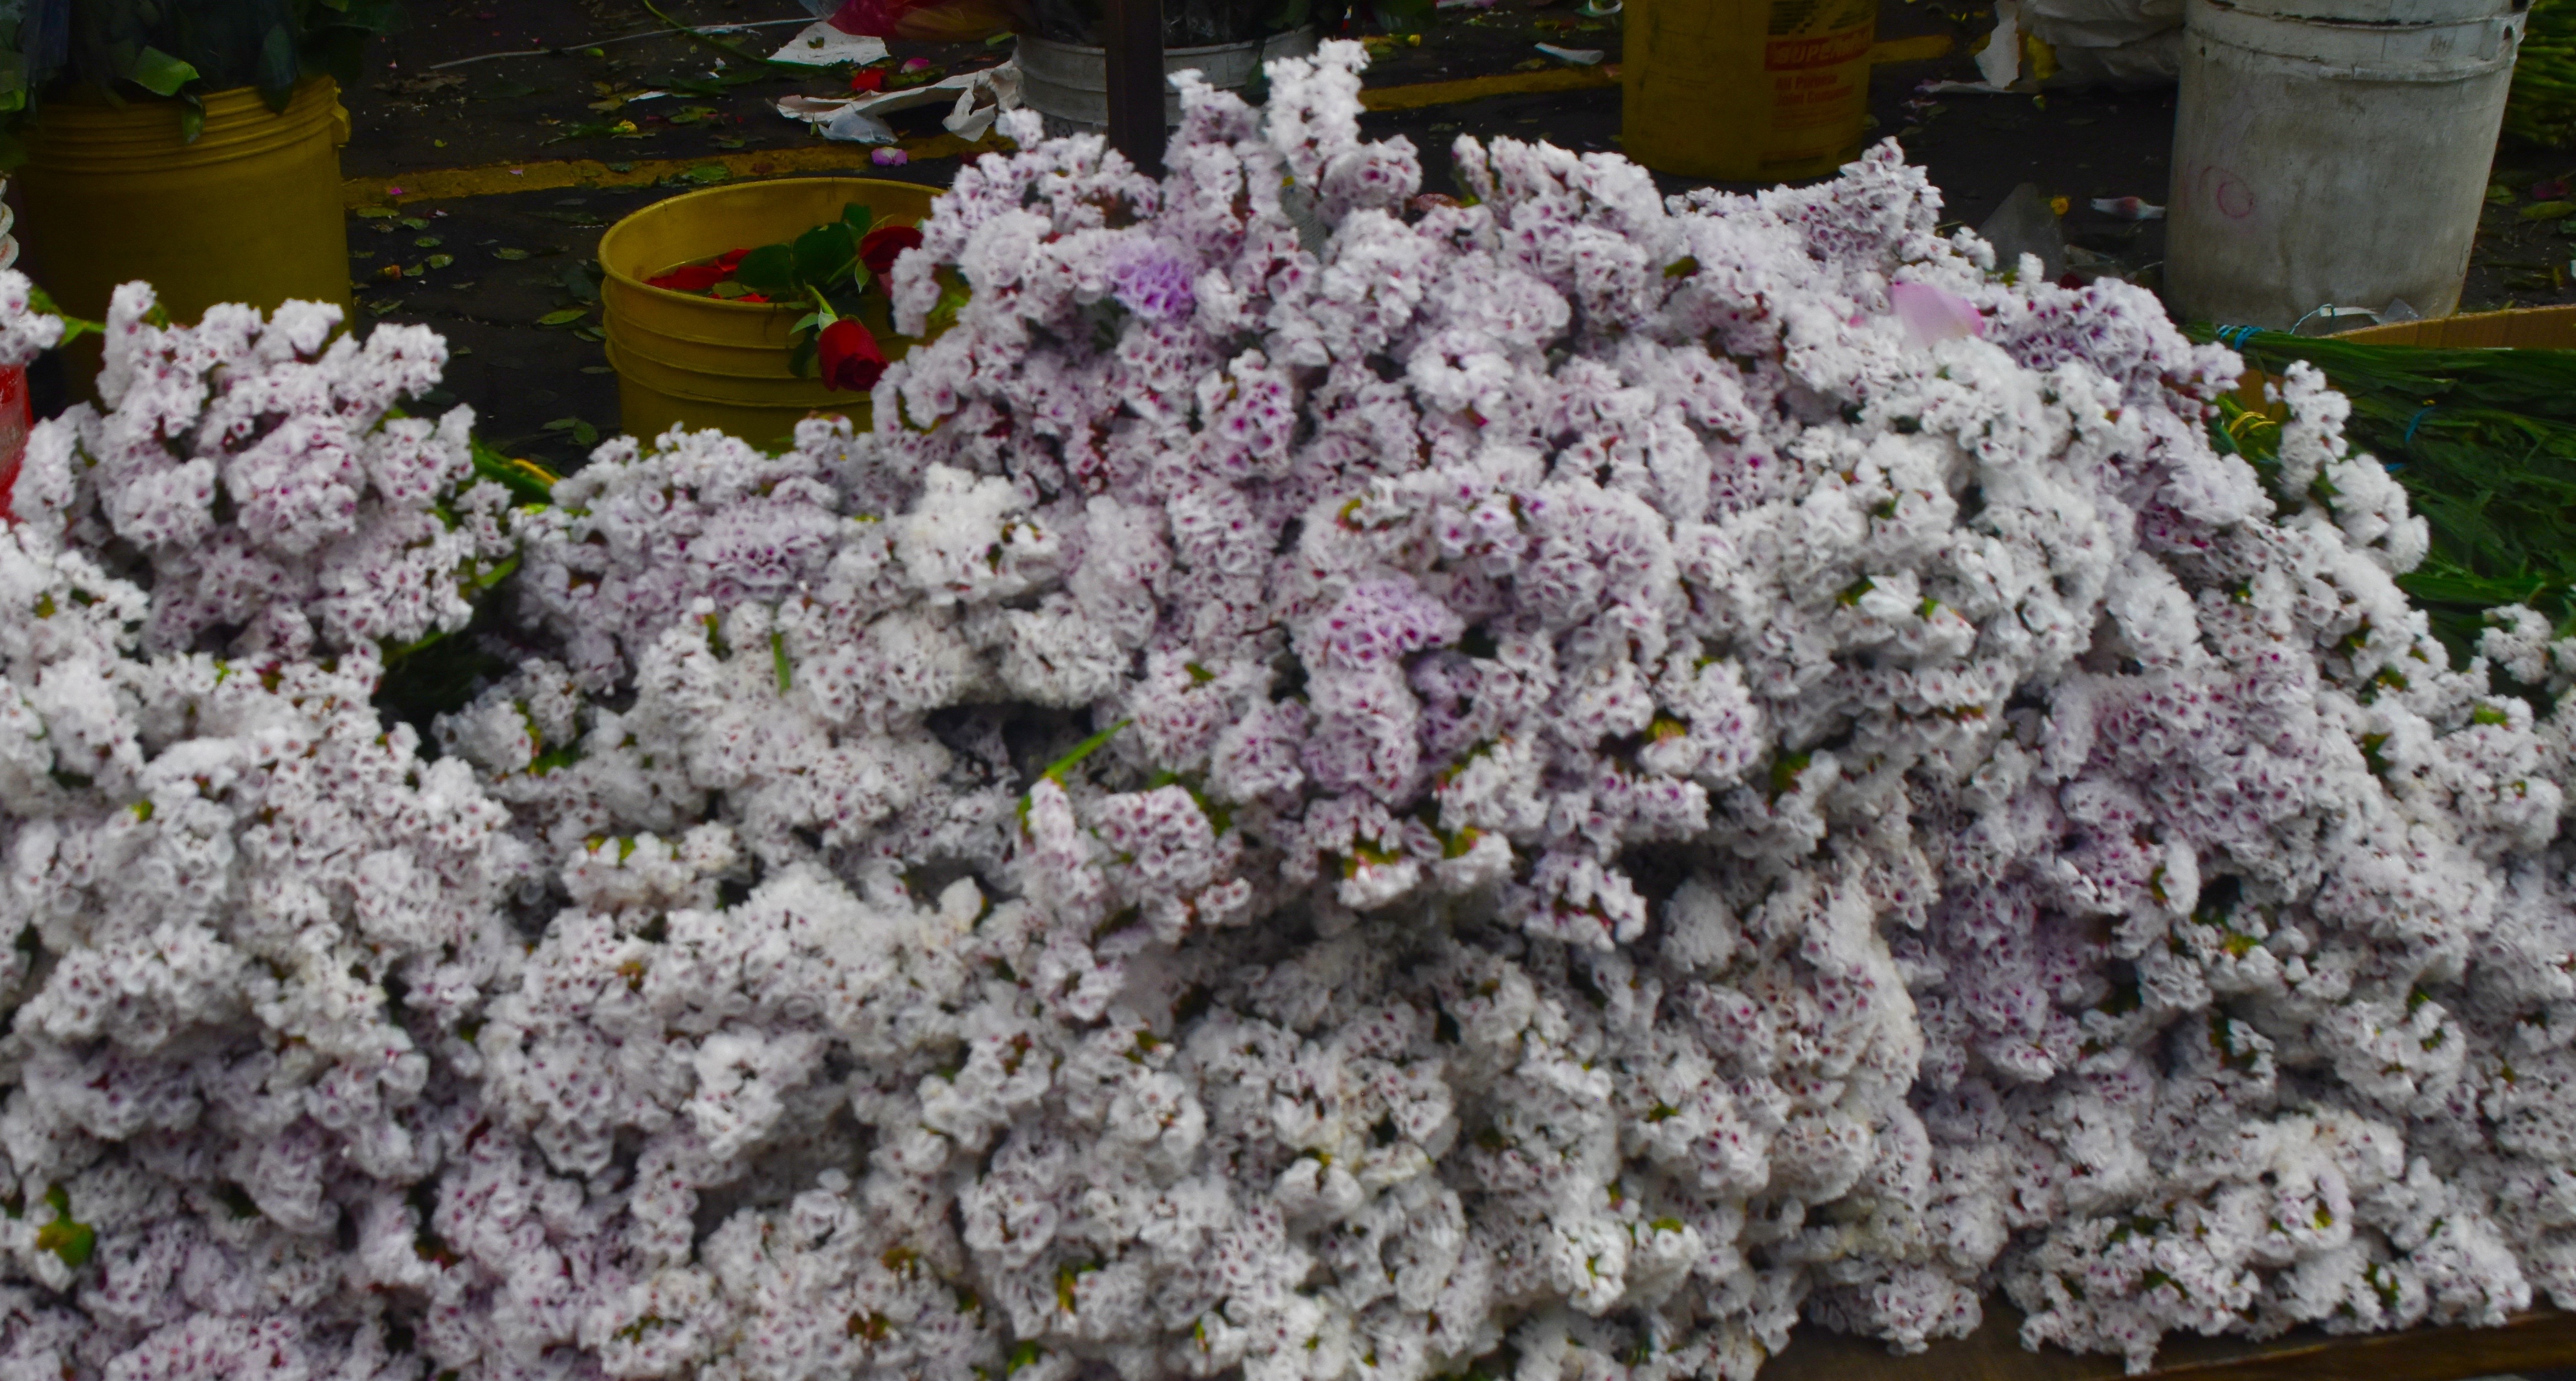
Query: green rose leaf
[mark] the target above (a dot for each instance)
(769, 271)
(161, 74)
(825, 254)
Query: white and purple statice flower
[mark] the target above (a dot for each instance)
(1343, 785)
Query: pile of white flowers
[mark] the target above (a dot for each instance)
(1349, 784)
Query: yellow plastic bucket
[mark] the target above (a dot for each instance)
(249, 212)
(1745, 90)
(706, 362)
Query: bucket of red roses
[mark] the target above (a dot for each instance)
(748, 308)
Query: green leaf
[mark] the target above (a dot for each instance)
(578, 284)
(953, 297)
(73, 1242)
(192, 120)
(859, 219)
(278, 66)
(440, 261)
(770, 271)
(708, 173)
(161, 74)
(427, 242)
(826, 254)
(1063, 766)
(527, 480)
(509, 254)
(566, 317)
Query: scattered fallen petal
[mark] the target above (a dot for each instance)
(2129, 208)
(1932, 315)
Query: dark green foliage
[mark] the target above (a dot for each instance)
(176, 49)
(2543, 106)
(441, 673)
(2484, 442)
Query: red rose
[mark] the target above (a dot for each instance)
(730, 259)
(882, 246)
(850, 357)
(874, 18)
(868, 79)
(693, 278)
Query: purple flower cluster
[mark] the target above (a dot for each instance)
(1152, 282)
(1338, 786)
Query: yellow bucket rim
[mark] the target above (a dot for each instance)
(672, 205)
(655, 371)
(85, 139)
(670, 344)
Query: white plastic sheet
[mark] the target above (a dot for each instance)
(976, 99)
(821, 45)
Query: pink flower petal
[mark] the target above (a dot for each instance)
(1932, 315)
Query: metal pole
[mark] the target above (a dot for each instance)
(1132, 31)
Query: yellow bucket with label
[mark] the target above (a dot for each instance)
(703, 361)
(248, 212)
(1745, 90)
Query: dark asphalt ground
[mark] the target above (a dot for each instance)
(500, 262)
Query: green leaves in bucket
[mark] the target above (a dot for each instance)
(770, 271)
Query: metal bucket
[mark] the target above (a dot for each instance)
(2332, 151)
(1069, 84)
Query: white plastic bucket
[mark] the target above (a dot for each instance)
(1069, 84)
(2332, 152)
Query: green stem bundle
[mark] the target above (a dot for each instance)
(2484, 443)
(2542, 107)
